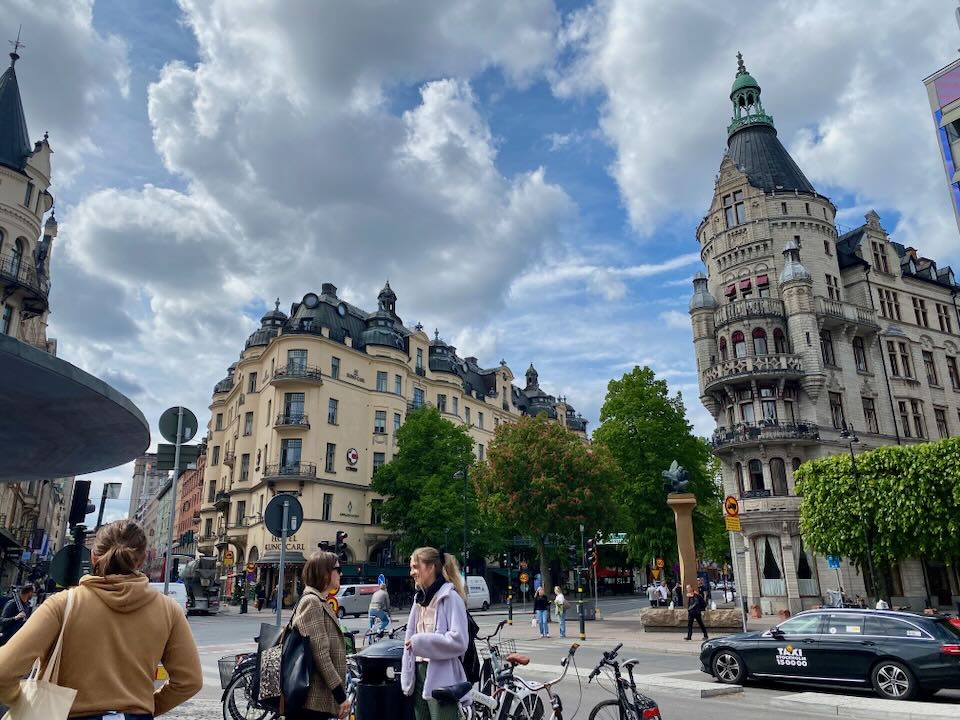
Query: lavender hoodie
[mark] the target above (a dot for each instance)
(444, 646)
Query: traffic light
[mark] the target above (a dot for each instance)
(505, 560)
(341, 541)
(81, 506)
(572, 555)
(591, 552)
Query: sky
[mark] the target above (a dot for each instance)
(529, 176)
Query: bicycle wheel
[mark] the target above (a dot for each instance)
(528, 708)
(610, 710)
(239, 704)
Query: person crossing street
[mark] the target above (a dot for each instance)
(695, 607)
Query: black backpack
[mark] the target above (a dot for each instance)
(471, 659)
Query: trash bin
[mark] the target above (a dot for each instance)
(589, 609)
(378, 689)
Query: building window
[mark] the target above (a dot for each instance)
(778, 476)
(833, 287)
(330, 458)
(920, 311)
(380, 421)
(905, 359)
(733, 209)
(783, 208)
(738, 476)
(398, 384)
(327, 506)
(241, 519)
(941, 417)
(248, 423)
(396, 421)
(296, 360)
(378, 460)
(826, 247)
(290, 450)
(269, 413)
(455, 407)
(7, 321)
(466, 414)
(417, 398)
(208, 526)
(332, 406)
(904, 417)
(768, 404)
(755, 468)
(889, 304)
(381, 381)
(335, 367)
(747, 414)
(28, 195)
(376, 512)
(943, 317)
(480, 452)
(879, 258)
(859, 354)
(759, 341)
(779, 341)
(723, 349)
(245, 467)
(442, 403)
(899, 356)
(293, 404)
(806, 207)
(836, 411)
(919, 422)
(419, 358)
(739, 345)
(215, 458)
(826, 348)
(953, 372)
(480, 420)
(870, 415)
(219, 423)
(931, 367)
(252, 382)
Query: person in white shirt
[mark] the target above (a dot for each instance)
(653, 595)
(560, 608)
(663, 592)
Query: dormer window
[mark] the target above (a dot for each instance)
(734, 209)
(879, 257)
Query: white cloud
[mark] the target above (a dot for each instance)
(676, 320)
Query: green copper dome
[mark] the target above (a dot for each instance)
(743, 81)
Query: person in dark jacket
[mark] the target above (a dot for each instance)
(541, 606)
(695, 607)
(677, 595)
(15, 613)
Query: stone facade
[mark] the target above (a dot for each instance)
(801, 333)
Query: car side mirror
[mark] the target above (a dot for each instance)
(776, 632)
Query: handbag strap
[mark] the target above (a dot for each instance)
(52, 672)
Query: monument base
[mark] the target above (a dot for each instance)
(722, 621)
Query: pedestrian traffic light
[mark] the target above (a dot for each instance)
(341, 541)
(591, 552)
(505, 560)
(572, 555)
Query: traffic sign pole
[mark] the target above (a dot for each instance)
(173, 503)
(283, 558)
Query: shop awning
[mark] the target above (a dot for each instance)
(273, 558)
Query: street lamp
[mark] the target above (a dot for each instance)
(464, 473)
(850, 436)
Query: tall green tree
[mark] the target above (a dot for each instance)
(545, 480)
(645, 430)
(423, 495)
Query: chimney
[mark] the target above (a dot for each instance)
(329, 289)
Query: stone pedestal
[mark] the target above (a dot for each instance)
(723, 621)
(683, 505)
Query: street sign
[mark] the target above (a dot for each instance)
(733, 524)
(381, 579)
(273, 515)
(166, 456)
(833, 562)
(60, 565)
(524, 587)
(524, 578)
(168, 425)
(251, 568)
(352, 456)
(659, 563)
(655, 572)
(732, 506)
(229, 558)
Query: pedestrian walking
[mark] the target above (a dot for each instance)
(261, 597)
(653, 594)
(662, 592)
(541, 608)
(380, 608)
(326, 697)
(703, 589)
(677, 595)
(560, 609)
(118, 630)
(437, 633)
(15, 613)
(695, 607)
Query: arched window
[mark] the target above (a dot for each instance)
(778, 476)
(17, 257)
(756, 475)
(739, 345)
(759, 341)
(779, 341)
(723, 349)
(738, 472)
(795, 464)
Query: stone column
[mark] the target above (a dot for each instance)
(683, 505)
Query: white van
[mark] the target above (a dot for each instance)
(176, 590)
(478, 594)
(355, 599)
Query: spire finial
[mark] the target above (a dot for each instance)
(276, 305)
(741, 68)
(436, 333)
(14, 56)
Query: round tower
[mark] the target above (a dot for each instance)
(703, 306)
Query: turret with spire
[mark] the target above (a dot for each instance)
(15, 146)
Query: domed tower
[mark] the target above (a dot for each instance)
(533, 379)
(387, 299)
(382, 326)
(270, 325)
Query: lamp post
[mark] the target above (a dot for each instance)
(850, 436)
(464, 474)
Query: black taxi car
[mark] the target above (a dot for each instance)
(902, 655)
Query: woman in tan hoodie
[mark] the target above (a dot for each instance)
(119, 630)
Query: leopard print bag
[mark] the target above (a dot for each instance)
(270, 671)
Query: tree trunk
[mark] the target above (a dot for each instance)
(544, 565)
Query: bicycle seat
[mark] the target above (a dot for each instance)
(451, 694)
(630, 663)
(517, 659)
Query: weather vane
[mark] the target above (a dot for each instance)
(16, 43)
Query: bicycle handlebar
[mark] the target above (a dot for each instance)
(608, 658)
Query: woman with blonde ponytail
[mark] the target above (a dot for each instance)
(437, 632)
(118, 631)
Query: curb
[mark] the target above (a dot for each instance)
(653, 683)
(847, 706)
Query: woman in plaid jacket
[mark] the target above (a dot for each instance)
(326, 698)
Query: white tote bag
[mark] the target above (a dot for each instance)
(43, 699)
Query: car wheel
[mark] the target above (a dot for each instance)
(485, 606)
(893, 680)
(341, 613)
(728, 667)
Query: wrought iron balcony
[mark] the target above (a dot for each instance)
(838, 314)
(294, 471)
(756, 494)
(764, 432)
(752, 367)
(19, 271)
(421, 372)
(295, 372)
(221, 500)
(292, 420)
(752, 308)
(229, 458)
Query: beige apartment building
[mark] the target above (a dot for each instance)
(312, 407)
(32, 514)
(801, 332)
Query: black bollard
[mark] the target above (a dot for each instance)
(510, 607)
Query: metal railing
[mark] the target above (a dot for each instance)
(297, 372)
(291, 470)
(760, 307)
(764, 431)
(20, 269)
(221, 498)
(752, 365)
(292, 420)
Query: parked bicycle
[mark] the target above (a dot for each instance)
(630, 703)
(372, 636)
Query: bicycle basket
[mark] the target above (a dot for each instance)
(227, 665)
(503, 648)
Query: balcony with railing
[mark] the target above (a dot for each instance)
(17, 270)
(292, 420)
(229, 458)
(766, 431)
(293, 471)
(221, 501)
(836, 313)
(753, 367)
(297, 373)
(416, 405)
(750, 309)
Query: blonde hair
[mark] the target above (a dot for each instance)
(120, 548)
(450, 570)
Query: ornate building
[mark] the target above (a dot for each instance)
(800, 333)
(312, 407)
